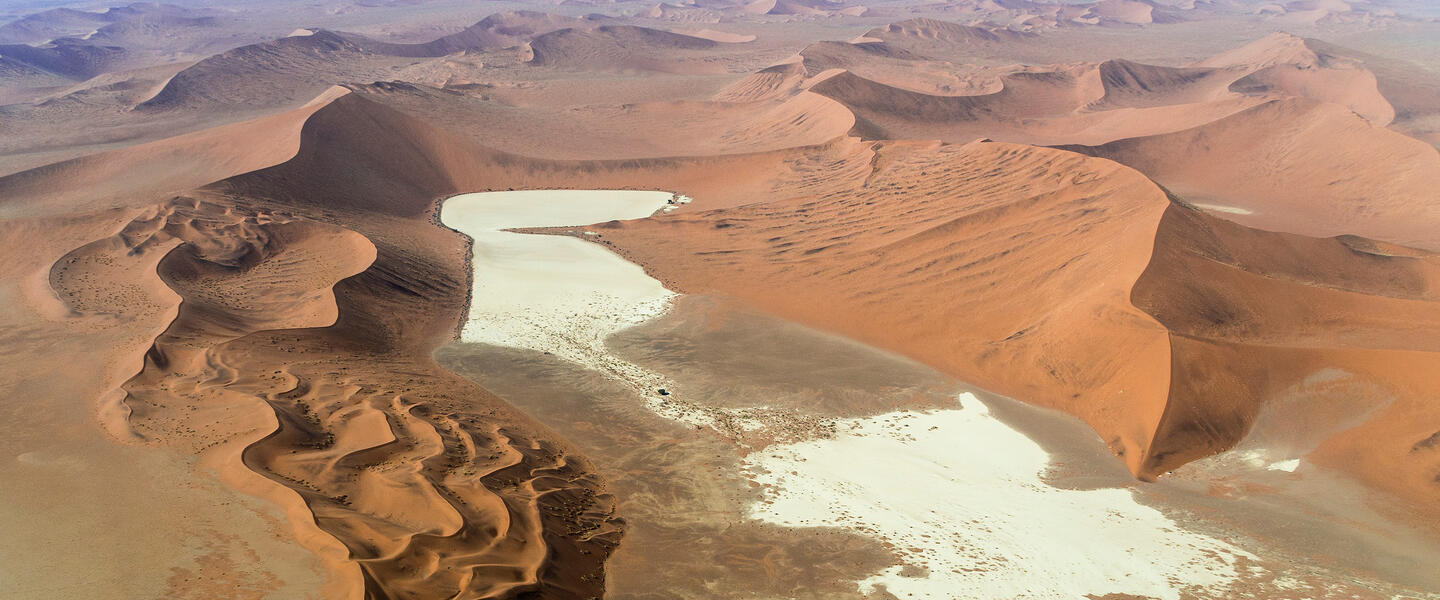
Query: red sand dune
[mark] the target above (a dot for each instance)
(314, 285)
(1278, 166)
(1017, 261)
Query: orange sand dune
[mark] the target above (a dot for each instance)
(1061, 104)
(771, 82)
(1278, 166)
(416, 483)
(979, 256)
(144, 173)
(1285, 64)
(1072, 283)
(314, 283)
(1134, 85)
(1243, 307)
(1036, 107)
(771, 119)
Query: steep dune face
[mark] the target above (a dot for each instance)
(437, 163)
(435, 487)
(772, 115)
(1277, 167)
(287, 70)
(1024, 95)
(407, 480)
(140, 174)
(110, 24)
(1413, 91)
(312, 296)
(1134, 85)
(893, 65)
(983, 260)
(1082, 286)
(280, 73)
(1284, 64)
(1254, 315)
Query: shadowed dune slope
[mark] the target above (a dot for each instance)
(315, 284)
(419, 162)
(1071, 283)
(1277, 166)
(144, 173)
(66, 58)
(1130, 84)
(777, 116)
(275, 73)
(1285, 64)
(1256, 315)
(407, 480)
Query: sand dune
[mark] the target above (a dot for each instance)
(626, 47)
(420, 476)
(1241, 305)
(770, 118)
(826, 270)
(278, 72)
(142, 174)
(1069, 103)
(503, 30)
(922, 34)
(1285, 64)
(358, 427)
(1035, 107)
(65, 58)
(771, 82)
(49, 25)
(1092, 317)
(276, 287)
(1134, 85)
(1273, 163)
(274, 73)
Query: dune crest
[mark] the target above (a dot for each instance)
(1101, 320)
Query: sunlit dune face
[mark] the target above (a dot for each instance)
(811, 299)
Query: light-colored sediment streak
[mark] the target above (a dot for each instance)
(1221, 208)
(961, 496)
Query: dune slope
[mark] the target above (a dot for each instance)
(1276, 166)
(1072, 283)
